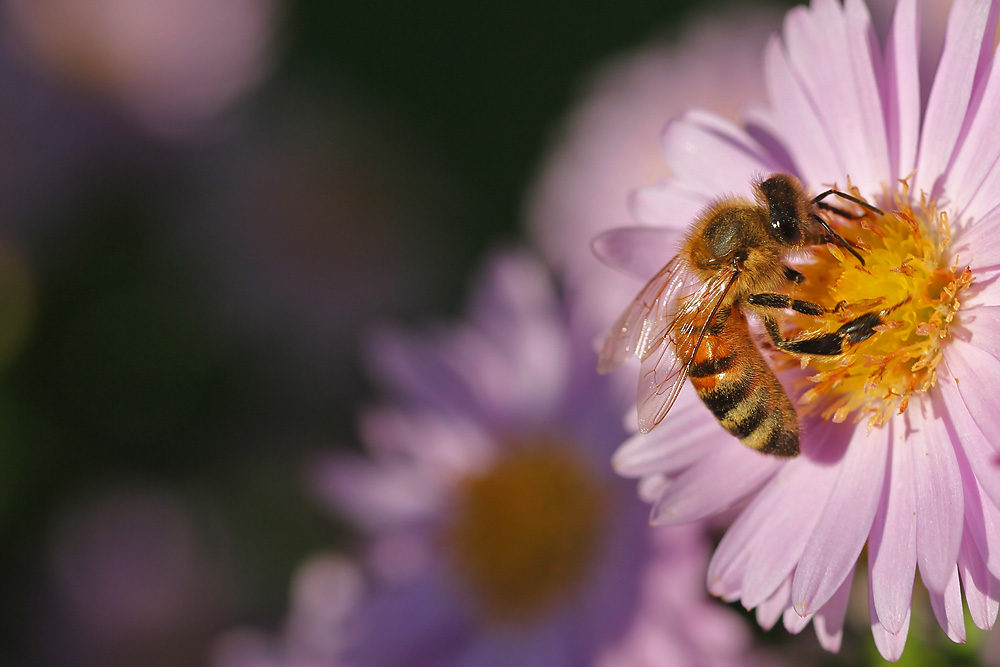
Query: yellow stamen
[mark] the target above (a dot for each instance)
(525, 532)
(904, 280)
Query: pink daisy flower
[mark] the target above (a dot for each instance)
(498, 533)
(899, 435)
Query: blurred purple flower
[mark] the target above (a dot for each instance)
(920, 486)
(499, 534)
(173, 64)
(134, 580)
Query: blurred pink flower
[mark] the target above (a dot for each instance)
(920, 487)
(325, 592)
(608, 144)
(134, 580)
(499, 535)
(173, 64)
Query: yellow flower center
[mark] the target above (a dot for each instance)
(906, 282)
(526, 531)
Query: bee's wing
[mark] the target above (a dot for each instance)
(643, 325)
(664, 371)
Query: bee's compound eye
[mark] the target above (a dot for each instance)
(783, 198)
(785, 224)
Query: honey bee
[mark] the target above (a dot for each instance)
(689, 321)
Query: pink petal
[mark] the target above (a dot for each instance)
(644, 454)
(829, 619)
(713, 484)
(514, 284)
(796, 119)
(985, 291)
(831, 51)
(771, 609)
(667, 204)
(639, 252)
(892, 547)
(983, 324)
(795, 623)
(761, 124)
(713, 156)
(982, 589)
(795, 497)
(967, 47)
(976, 219)
(977, 162)
(903, 88)
(978, 451)
(890, 645)
(421, 369)
(938, 485)
(518, 370)
(977, 245)
(326, 591)
(727, 586)
(872, 166)
(650, 487)
(984, 526)
(374, 496)
(689, 436)
(981, 516)
(645, 640)
(831, 553)
(442, 448)
(728, 563)
(991, 528)
(974, 371)
(948, 609)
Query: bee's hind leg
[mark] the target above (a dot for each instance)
(829, 344)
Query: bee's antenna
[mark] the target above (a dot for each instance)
(905, 301)
(843, 195)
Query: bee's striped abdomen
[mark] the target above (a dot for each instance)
(738, 386)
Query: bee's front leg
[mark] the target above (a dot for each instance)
(771, 300)
(793, 276)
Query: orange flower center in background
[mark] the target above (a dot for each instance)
(525, 532)
(905, 279)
